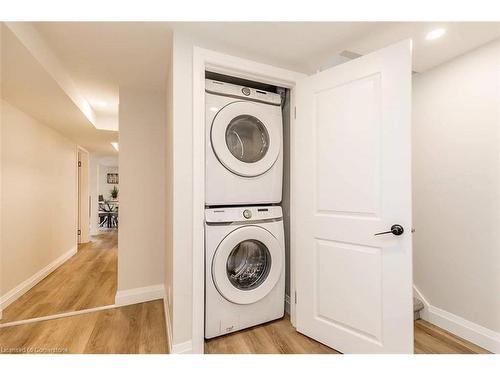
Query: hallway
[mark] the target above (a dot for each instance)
(86, 280)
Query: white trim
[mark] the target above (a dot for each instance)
(57, 316)
(80, 238)
(470, 331)
(168, 324)
(424, 313)
(479, 335)
(205, 59)
(139, 295)
(29, 283)
(183, 348)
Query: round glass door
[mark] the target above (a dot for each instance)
(247, 138)
(248, 264)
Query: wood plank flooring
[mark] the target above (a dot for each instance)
(86, 280)
(140, 328)
(279, 337)
(430, 339)
(276, 337)
(130, 329)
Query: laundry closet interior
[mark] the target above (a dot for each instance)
(258, 129)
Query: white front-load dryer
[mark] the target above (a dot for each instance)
(244, 145)
(244, 268)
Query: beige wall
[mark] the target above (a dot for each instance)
(38, 200)
(141, 236)
(456, 124)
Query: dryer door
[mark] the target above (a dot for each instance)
(247, 264)
(245, 137)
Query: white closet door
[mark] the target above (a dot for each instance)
(352, 179)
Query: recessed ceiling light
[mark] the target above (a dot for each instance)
(434, 34)
(115, 145)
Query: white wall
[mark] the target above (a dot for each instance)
(182, 198)
(104, 187)
(141, 237)
(456, 124)
(39, 205)
(169, 198)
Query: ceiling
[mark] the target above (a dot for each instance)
(28, 86)
(98, 58)
(101, 57)
(309, 46)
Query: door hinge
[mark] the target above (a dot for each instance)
(79, 232)
(295, 297)
(79, 164)
(295, 112)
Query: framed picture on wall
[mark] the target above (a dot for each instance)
(112, 178)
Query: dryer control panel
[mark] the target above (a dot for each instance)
(238, 214)
(249, 93)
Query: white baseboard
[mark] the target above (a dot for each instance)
(424, 313)
(287, 304)
(479, 335)
(27, 284)
(139, 295)
(168, 322)
(183, 348)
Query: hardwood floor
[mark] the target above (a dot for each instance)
(279, 337)
(86, 280)
(140, 328)
(430, 339)
(130, 329)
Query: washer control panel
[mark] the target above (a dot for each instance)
(236, 91)
(239, 214)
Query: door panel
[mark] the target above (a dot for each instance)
(349, 262)
(348, 182)
(351, 175)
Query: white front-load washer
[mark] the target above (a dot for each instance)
(244, 268)
(244, 145)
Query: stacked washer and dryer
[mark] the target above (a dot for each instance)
(244, 237)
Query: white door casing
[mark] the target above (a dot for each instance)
(83, 229)
(352, 176)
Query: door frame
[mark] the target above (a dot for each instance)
(204, 59)
(80, 149)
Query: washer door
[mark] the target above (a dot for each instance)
(244, 138)
(247, 264)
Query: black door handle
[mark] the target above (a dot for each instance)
(396, 229)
